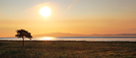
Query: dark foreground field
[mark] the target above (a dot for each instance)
(54, 49)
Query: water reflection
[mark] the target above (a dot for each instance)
(47, 38)
(73, 39)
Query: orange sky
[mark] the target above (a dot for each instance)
(73, 16)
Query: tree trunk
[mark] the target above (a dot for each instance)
(23, 41)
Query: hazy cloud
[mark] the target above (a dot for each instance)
(133, 29)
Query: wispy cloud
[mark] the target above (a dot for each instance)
(74, 3)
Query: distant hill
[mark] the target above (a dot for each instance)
(58, 34)
(61, 35)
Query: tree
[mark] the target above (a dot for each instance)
(23, 33)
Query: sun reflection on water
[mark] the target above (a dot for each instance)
(47, 38)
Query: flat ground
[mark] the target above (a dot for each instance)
(67, 49)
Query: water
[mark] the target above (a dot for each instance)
(76, 39)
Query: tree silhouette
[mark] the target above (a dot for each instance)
(23, 33)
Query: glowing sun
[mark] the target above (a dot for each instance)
(45, 11)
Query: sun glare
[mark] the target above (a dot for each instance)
(45, 11)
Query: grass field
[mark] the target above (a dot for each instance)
(67, 49)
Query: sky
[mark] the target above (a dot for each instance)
(68, 16)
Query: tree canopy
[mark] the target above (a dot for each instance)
(23, 33)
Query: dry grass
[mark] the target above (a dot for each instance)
(67, 49)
